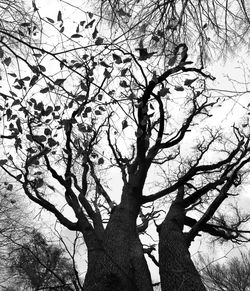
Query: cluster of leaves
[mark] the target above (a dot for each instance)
(212, 28)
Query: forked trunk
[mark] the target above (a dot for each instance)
(120, 263)
(177, 270)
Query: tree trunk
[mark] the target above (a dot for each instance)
(177, 270)
(120, 264)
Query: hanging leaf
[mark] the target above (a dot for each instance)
(80, 98)
(124, 124)
(50, 20)
(25, 24)
(121, 13)
(155, 38)
(59, 82)
(15, 102)
(7, 61)
(100, 161)
(10, 187)
(102, 108)
(48, 110)
(35, 69)
(9, 113)
(172, 61)
(3, 162)
(59, 16)
(39, 106)
(51, 187)
(90, 24)
(1, 53)
(33, 80)
(123, 72)
(189, 82)
(90, 14)
(164, 92)
(107, 74)
(83, 86)
(19, 177)
(179, 88)
(94, 34)
(18, 124)
(39, 138)
(61, 65)
(13, 93)
(42, 68)
(52, 142)
(99, 41)
(124, 84)
(127, 60)
(38, 182)
(38, 173)
(47, 131)
(88, 109)
(85, 56)
(37, 55)
(21, 33)
(44, 90)
(76, 35)
(12, 75)
(184, 54)
(117, 59)
(102, 63)
(98, 112)
(61, 29)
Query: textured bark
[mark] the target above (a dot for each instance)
(120, 262)
(177, 270)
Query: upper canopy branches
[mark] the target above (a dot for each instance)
(79, 104)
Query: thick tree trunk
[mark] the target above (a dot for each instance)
(120, 263)
(177, 270)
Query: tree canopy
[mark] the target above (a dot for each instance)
(80, 101)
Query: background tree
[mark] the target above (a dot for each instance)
(229, 276)
(38, 265)
(80, 105)
(18, 19)
(13, 223)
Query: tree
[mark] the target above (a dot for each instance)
(211, 28)
(13, 223)
(230, 276)
(38, 265)
(79, 107)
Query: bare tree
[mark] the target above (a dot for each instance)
(36, 264)
(13, 223)
(79, 107)
(229, 276)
